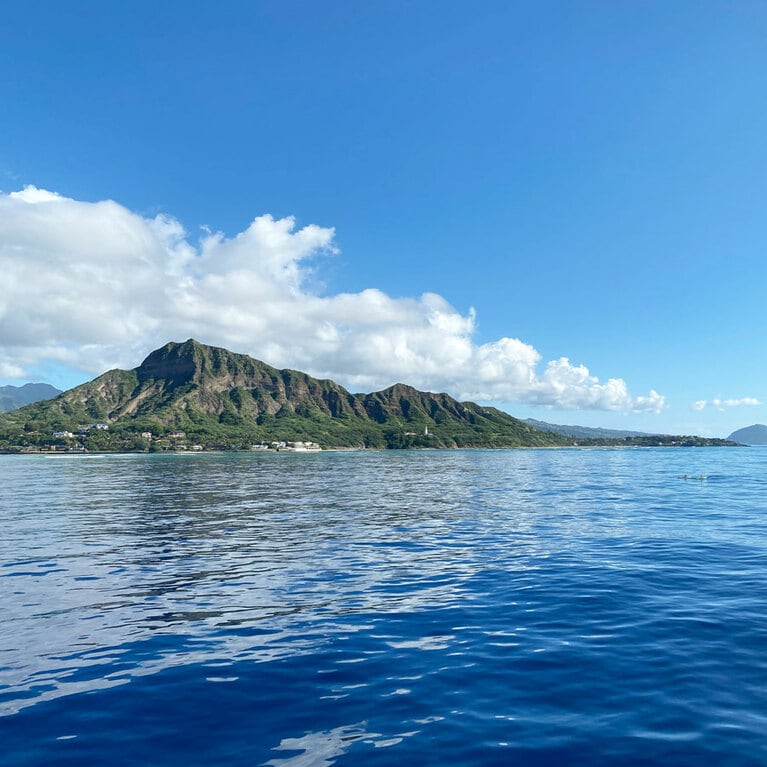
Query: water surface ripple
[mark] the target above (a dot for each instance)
(528, 607)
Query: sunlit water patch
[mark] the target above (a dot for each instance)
(468, 607)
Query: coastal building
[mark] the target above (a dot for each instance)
(297, 446)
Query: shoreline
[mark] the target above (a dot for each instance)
(73, 453)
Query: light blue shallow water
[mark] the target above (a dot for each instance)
(560, 607)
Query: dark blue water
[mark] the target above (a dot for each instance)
(549, 607)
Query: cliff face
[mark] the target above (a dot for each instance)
(196, 387)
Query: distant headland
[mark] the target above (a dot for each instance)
(750, 435)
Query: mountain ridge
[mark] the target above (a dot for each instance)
(220, 398)
(189, 393)
(585, 432)
(12, 397)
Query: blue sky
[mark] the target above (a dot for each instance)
(587, 179)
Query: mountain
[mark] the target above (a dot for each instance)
(189, 394)
(219, 398)
(12, 397)
(584, 432)
(750, 435)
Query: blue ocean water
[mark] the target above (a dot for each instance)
(531, 607)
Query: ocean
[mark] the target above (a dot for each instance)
(517, 607)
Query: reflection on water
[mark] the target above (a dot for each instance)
(540, 600)
(321, 749)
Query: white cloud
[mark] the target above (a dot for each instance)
(724, 404)
(10, 371)
(96, 286)
(32, 194)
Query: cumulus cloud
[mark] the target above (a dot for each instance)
(724, 404)
(95, 286)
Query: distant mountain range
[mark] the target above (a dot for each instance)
(584, 432)
(750, 435)
(12, 397)
(188, 394)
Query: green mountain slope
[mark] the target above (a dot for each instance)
(219, 398)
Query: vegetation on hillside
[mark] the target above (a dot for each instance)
(191, 395)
